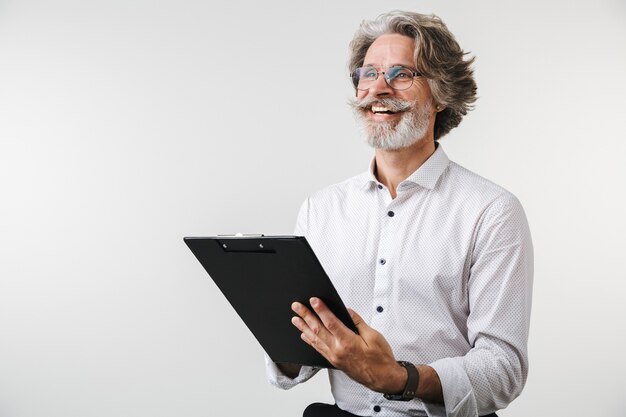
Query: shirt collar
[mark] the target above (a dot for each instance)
(426, 175)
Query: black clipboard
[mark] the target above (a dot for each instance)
(261, 276)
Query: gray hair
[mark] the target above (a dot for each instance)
(438, 57)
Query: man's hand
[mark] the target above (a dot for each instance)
(366, 358)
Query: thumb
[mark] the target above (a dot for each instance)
(360, 324)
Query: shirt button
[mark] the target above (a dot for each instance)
(380, 187)
(379, 309)
(382, 261)
(377, 408)
(390, 213)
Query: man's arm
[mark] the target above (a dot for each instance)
(365, 357)
(287, 376)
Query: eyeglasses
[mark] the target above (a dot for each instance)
(398, 77)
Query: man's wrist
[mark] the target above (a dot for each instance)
(430, 389)
(399, 380)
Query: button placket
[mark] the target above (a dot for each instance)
(382, 282)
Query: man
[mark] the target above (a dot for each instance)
(436, 260)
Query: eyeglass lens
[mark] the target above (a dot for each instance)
(398, 78)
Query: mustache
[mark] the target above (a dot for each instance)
(393, 104)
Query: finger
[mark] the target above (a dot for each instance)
(301, 325)
(311, 324)
(330, 321)
(359, 323)
(309, 337)
(356, 318)
(299, 309)
(298, 323)
(370, 336)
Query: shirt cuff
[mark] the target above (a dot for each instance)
(282, 381)
(458, 394)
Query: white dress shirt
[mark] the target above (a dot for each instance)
(443, 271)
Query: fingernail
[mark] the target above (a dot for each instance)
(314, 301)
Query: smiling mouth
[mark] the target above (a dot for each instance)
(381, 110)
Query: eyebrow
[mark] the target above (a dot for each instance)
(392, 65)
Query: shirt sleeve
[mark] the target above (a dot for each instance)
(274, 374)
(282, 381)
(494, 371)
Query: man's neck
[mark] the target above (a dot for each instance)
(393, 167)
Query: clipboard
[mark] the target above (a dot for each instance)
(261, 276)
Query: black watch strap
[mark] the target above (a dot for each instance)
(410, 389)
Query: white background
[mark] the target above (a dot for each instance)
(128, 124)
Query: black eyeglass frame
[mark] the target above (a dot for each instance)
(413, 72)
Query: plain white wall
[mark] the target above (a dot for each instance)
(128, 124)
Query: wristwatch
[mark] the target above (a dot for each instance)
(411, 383)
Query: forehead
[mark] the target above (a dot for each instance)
(391, 49)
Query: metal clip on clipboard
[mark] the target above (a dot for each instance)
(248, 243)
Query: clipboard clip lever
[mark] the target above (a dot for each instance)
(239, 234)
(249, 245)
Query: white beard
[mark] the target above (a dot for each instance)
(411, 128)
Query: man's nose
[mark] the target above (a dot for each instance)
(380, 87)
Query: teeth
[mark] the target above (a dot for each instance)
(377, 109)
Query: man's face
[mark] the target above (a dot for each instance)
(413, 115)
